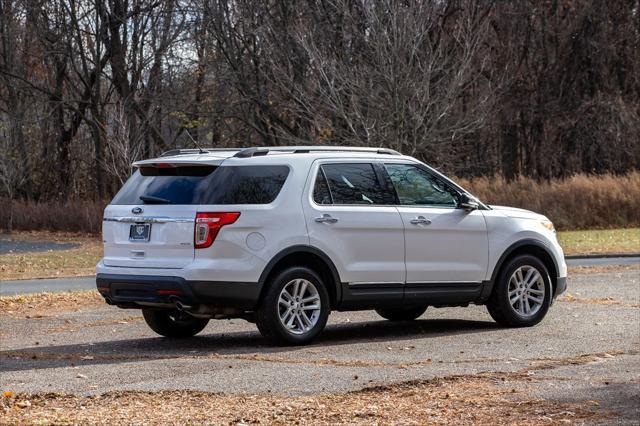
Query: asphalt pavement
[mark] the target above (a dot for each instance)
(52, 285)
(586, 349)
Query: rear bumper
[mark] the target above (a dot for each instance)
(140, 290)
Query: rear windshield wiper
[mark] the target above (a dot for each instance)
(150, 199)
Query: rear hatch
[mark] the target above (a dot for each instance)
(158, 237)
(150, 222)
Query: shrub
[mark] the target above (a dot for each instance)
(73, 216)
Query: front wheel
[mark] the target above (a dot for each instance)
(295, 307)
(522, 293)
(173, 323)
(401, 314)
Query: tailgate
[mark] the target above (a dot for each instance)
(148, 236)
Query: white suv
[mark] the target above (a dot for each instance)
(282, 236)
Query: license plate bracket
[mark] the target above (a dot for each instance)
(140, 232)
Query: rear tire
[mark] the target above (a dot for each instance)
(294, 308)
(401, 314)
(522, 293)
(173, 323)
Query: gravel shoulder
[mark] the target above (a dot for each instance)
(585, 355)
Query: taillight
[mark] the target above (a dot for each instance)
(208, 225)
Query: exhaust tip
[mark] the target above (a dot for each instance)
(182, 307)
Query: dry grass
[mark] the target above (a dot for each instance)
(79, 261)
(71, 216)
(600, 241)
(578, 202)
(39, 305)
(478, 399)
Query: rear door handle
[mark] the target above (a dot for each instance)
(326, 218)
(420, 220)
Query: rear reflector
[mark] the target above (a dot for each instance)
(208, 225)
(160, 292)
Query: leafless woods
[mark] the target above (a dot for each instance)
(535, 88)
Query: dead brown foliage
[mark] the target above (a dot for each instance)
(579, 202)
(40, 305)
(479, 399)
(72, 216)
(597, 301)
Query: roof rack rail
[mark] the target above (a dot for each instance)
(254, 152)
(185, 151)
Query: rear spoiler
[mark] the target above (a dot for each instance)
(178, 162)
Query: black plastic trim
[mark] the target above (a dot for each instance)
(442, 293)
(488, 285)
(131, 289)
(370, 296)
(300, 248)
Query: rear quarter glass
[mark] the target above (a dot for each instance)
(204, 185)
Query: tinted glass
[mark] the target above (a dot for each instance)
(204, 185)
(416, 187)
(321, 194)
(355, 184)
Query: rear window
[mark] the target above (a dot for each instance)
(203, 185)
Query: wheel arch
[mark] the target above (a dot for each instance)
(302, 255)
(526, 246)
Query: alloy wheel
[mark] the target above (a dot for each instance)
(526, 291)
(299, 306)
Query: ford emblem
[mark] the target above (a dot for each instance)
(136, 210)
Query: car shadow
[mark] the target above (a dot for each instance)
(229, 344)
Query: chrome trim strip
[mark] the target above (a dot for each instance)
(357, 283)
(443, 282)
(149, 219)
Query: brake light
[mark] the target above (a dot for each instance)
(208, 225)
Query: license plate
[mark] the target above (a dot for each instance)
(140, 232)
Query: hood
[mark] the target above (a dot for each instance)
(518, 213)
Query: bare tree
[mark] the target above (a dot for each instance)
(472, 86)
(121, 150)
(12, 175)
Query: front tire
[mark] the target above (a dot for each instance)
(294, 308)
(401, 314)
(522, 293)
(173, 323)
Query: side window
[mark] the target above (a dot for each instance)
(355, 183)
(321, 194)
(242, 185)
(416, 187)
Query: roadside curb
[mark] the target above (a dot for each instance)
(75, 277)
(601, 255)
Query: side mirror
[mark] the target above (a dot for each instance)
(467, 203)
